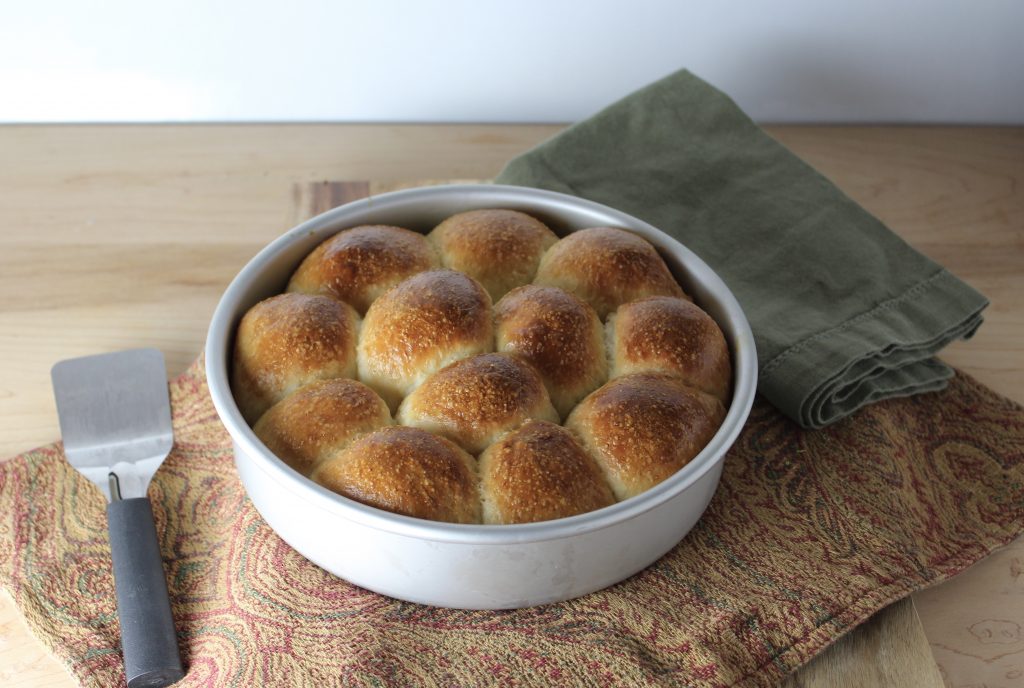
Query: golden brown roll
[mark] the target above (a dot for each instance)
(287, 341)
(319, 420)
(606, 267)
(406, 471)
(358, 265)
(476, 400)
(500, 249)
(420, 326)
(661, 334)
(559, 335)
(642, 428)
(539, 473)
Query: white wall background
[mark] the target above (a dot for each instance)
(516, 60)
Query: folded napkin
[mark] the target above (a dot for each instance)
(843, 311)
(809, 534)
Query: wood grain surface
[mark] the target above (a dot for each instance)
(887, 650)
(975, 622)
(121, 236)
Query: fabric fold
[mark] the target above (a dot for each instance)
(887, 351)
(844, 312)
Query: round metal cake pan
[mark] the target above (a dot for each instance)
(474, 566)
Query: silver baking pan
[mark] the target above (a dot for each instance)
(474, 566)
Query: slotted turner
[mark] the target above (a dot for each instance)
(115, 419)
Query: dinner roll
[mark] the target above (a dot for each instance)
(420, 326)
(500, 249)
(559, 335)
(538, 473)
(287, 341)
(406, 471)
(357, 265)
(319, 420)
(665, 334)
(644, 427)
(606, 267)
(476, 400)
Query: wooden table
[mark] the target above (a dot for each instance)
(122, 236)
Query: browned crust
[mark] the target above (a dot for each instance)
(498, 248)
(289, 340)
(540, 473)
(292, 350)
(427, 313)
(559, 335)
(607, 267)
(406, 471)
(358, 264)
(673, 336)
(319, 420)
(473, 399)
(642, 428)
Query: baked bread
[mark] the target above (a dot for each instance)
(538, 473)
(559, 335)
(406, 471)
(475, 400)
(500, 249)
(662, 334)
(287, 341)
(319, 420)
(420, 326)
(644, 427)
(358, 265)
(607, 267)
(481, 357)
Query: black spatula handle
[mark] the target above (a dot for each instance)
(148, 639)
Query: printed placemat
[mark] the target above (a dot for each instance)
(810, 533)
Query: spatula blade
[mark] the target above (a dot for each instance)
(115, 417)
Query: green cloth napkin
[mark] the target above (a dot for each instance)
(844, 312)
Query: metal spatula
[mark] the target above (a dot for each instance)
(115, 418)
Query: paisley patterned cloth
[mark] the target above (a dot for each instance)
(809, 534)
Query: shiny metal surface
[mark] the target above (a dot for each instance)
(474, 566)
(115, 418)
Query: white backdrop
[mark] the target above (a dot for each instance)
(516, 60)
